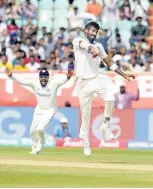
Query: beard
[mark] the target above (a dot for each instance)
(43, 83)
(91, 38)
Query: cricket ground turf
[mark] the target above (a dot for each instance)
(67, 167)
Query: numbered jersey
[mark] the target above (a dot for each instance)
(85, 65)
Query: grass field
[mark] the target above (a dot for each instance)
(67, 167)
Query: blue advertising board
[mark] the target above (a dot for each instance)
(15, 124)
(144, 125)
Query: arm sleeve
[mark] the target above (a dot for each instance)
(24, 81)
(133, 97)
(62, 82)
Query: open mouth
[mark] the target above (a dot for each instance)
(43, 82)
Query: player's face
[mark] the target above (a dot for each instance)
(43, 80)
(91, 33)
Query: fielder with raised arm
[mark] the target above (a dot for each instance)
(88, 55)
(46, 92)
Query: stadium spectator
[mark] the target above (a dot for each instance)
(26, 46)
(50, 45)
(42, 64)
(12, 27)
(16, 61)
(67, 63)
(21, 66)
(13, 39)
(3, 47)
(32, 65)
(13, 10)
(51, 63)
(110, 12)
(140, 31)
(123, 99)
(4, 63)
(40, 48)
(71, 64)
(31, 53)
(29, 29)
(118, 43)
(122, 56)
(94, 8)
(70, 2)
(63, 65)
(61, 34)
(135, 66)
(28, 9)
(61, 131)
(68, 49)
(44, 33)
(59, 48)
(126, 11)
(76, 18)
(76, 33)
(140, 8)
(149, 66)
(23, 54)
(2, 9)
(3, 27)
(103, 37)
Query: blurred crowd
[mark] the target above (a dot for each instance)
(22, 50)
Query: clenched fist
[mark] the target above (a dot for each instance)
(8, 72)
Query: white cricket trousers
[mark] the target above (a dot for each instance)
(86, 89)
(41, 119)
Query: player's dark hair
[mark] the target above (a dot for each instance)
(92, 24)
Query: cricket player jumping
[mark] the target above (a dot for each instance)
(88, 55)
(46, 92)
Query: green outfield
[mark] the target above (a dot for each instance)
(67, 167)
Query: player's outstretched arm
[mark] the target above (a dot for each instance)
(68, 76)
(22, 81)
(115, 68)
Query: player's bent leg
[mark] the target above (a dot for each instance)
(105, 127)
(105, 91)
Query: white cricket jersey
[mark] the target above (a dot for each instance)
(85, 65)
(46, 96)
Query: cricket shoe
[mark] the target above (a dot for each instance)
(33, 151)
(86, 145)
(105, 128)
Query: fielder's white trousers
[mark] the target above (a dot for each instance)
(41, 119)
(86, 89)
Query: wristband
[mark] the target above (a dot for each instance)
(113, 67)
